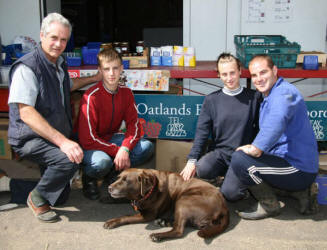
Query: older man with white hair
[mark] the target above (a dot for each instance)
(40, 126)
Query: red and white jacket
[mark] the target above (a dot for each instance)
(100, 117)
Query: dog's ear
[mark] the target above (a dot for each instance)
(146, 182)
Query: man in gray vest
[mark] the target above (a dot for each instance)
(40, 125)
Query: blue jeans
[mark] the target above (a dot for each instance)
(98, 164)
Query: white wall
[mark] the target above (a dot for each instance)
(307, 25)
(22, 17)
(210, 26)
(204, 27)
(19, 17)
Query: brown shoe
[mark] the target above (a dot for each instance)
(44, 213)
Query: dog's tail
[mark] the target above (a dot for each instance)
(217, 226)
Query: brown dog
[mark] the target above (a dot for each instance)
(154, 192)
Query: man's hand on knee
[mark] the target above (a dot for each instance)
(251, 150)
(73, 151)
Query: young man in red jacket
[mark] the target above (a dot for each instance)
(103, 109)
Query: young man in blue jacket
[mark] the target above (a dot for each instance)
(284, 154)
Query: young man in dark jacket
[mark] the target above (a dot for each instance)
(230, 116)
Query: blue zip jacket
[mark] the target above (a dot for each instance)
(285, 129)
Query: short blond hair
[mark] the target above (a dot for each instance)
(108, 55)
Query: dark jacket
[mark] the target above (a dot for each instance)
(49, 101)
(231, 121)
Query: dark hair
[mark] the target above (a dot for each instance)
(227, 57)
(108, 55)
(265, 57)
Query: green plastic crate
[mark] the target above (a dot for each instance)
(282, 52)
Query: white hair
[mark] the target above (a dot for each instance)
(54, 17)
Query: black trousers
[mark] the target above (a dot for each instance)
(213, 164)
(246, 171)
(56, 169)
(20, 189)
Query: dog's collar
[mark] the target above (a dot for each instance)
(136, 204)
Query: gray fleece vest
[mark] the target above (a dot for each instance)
(48, 103)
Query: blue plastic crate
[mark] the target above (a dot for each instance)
(19, 54)
(282, 52)
(126, 64)
(90, 55)
(73, 59)
(93, 45)
(310, 62)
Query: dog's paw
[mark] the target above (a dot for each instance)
(162, 223)
(109, 224)
(155, 237)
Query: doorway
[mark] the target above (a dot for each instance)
(157, 23)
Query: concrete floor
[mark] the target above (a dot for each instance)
(82, 220)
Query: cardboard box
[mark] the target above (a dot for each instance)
(172, 155)
(321, 57)
(138, 61)
(5, 149)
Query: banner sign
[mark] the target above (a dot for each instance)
(175, 117)
(317, 112)
(168, 116)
